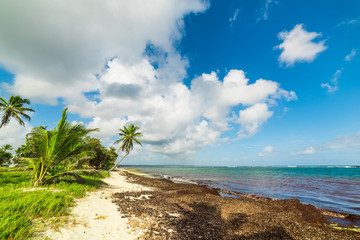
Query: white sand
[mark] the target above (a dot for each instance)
(97, 217)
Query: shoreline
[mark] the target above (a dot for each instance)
(341, 217)
(261, 218)
(134, 205)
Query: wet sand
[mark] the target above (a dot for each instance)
(189, 211)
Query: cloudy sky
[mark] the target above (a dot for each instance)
(246, 82)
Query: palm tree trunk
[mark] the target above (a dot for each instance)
(118, 162)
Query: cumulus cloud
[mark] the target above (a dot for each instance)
(252, 118)
(298, 46)
(176, 119)
(351, 55)
(266, 151)
(332, 86)
(115, 63)
(306, 151)
(14, 134)
(55, 48)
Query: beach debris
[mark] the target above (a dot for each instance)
(347, 228)
(188, 211)
(100, 217)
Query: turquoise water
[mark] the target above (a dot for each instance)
(332, 188)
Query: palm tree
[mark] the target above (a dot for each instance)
(60, 152)
(14, 109)
(128, 135)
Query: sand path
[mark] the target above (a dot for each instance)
(97, 217)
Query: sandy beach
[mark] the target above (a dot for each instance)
(96, 217)
(133, 206)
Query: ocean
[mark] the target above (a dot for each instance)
(334, 188)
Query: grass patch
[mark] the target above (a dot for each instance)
(21, 207)
(15, 179)
(8, 169)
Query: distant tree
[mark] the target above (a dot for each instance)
(13, 108)
(27, 150)
(128, 136)
(101, 157)
(59, 152)
(5, 156)
(23, 151)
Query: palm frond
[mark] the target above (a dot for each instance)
(137, 141)
(5, 119)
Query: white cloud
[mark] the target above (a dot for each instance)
(55, 48)
(173, 118)
(298, 46)
(266, 151)
(338, 142)
(252, 118)
(14, 134)
(265, 11)
(306, 151)
(351, 55)
(108, 128)
(348, 22)
(342, 142)
(63, 50)
(332, 86)
(234, 17)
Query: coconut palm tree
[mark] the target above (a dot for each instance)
(128, 136)
(14, 109)
(60, 152)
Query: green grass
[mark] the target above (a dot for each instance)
(5, 169)
(21, 211)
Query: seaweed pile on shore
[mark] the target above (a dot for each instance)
(188, 211)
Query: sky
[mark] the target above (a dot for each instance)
(229, 83)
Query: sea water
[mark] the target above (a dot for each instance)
(334, 188)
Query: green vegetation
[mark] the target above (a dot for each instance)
(24, 151)
(60, 152)
(5, 156)
(128, 135)
(25, 210)
(14, 108)
(101, 157)
(64, 161)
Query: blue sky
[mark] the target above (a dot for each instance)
(209, 82)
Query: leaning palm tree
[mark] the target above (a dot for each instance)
(14, 108)
(128, 135)
(60, 152)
